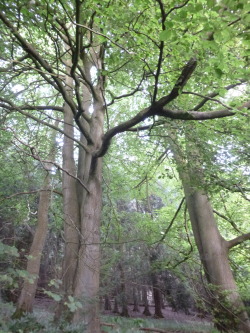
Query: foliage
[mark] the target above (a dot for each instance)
(143, 62)
(124, 325)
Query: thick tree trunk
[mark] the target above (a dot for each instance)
(227, 306)
(87, 279)
(71, 212)
(88, 268)
(228, 311)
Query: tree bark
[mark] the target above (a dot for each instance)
(125, 311)
(135, 297)
(28, 292)
(71, 211)
(157, 297)
(146, 310)
(88, 267)
(227, 306)
(116, 308)
(107, 303)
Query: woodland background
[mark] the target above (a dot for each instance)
(124, 164)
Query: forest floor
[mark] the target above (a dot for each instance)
(137, 322)
(168, 313)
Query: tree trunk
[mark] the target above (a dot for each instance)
(87, 279)
(107, 303)
(154, 253)
(135, 297)
(124, 312)
(157, 297)
(70, 211)
(26, 299)
(228, 311)
(116, 308)
(28, 292)
(146, 310)
(88, 268)
(227, 306)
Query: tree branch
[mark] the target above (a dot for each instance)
(13, 107)
(36, 156)
(128, 94)
(193, 115)
(177, 7)
(208, 98)
(171, 223)
(214, 94)
(105, 36)
(238, 240)
(180, 83)
(233, 224)
(38, 60)
(155, 109)
(30, 192)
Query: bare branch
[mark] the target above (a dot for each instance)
(30, 192)
(233, 224)
(208, 98)
(45, 163)
(13, 63)
(177, 7)
(13, 107)
(171, 223)
(105, 36)
(142, 115)
(193, 115)
(238, 240)
(128, 94)
(180, 83)
(214, 94)
(155, 109)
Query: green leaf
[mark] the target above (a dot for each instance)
(165, 35)
(218, 72)
(224, 35)
(55, 296)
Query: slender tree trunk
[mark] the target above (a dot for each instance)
(124, 300)
(146, 310)
(162, 302)
(157, 297)
(107, 303)
(135, 297)
(26, 299)
(155, 283)
(28, 292)
(227, 306)
(116, 308)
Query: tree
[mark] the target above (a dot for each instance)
(108, 48)
(26, 299)
(228, 309)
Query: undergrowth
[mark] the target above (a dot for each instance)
(41, 321)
